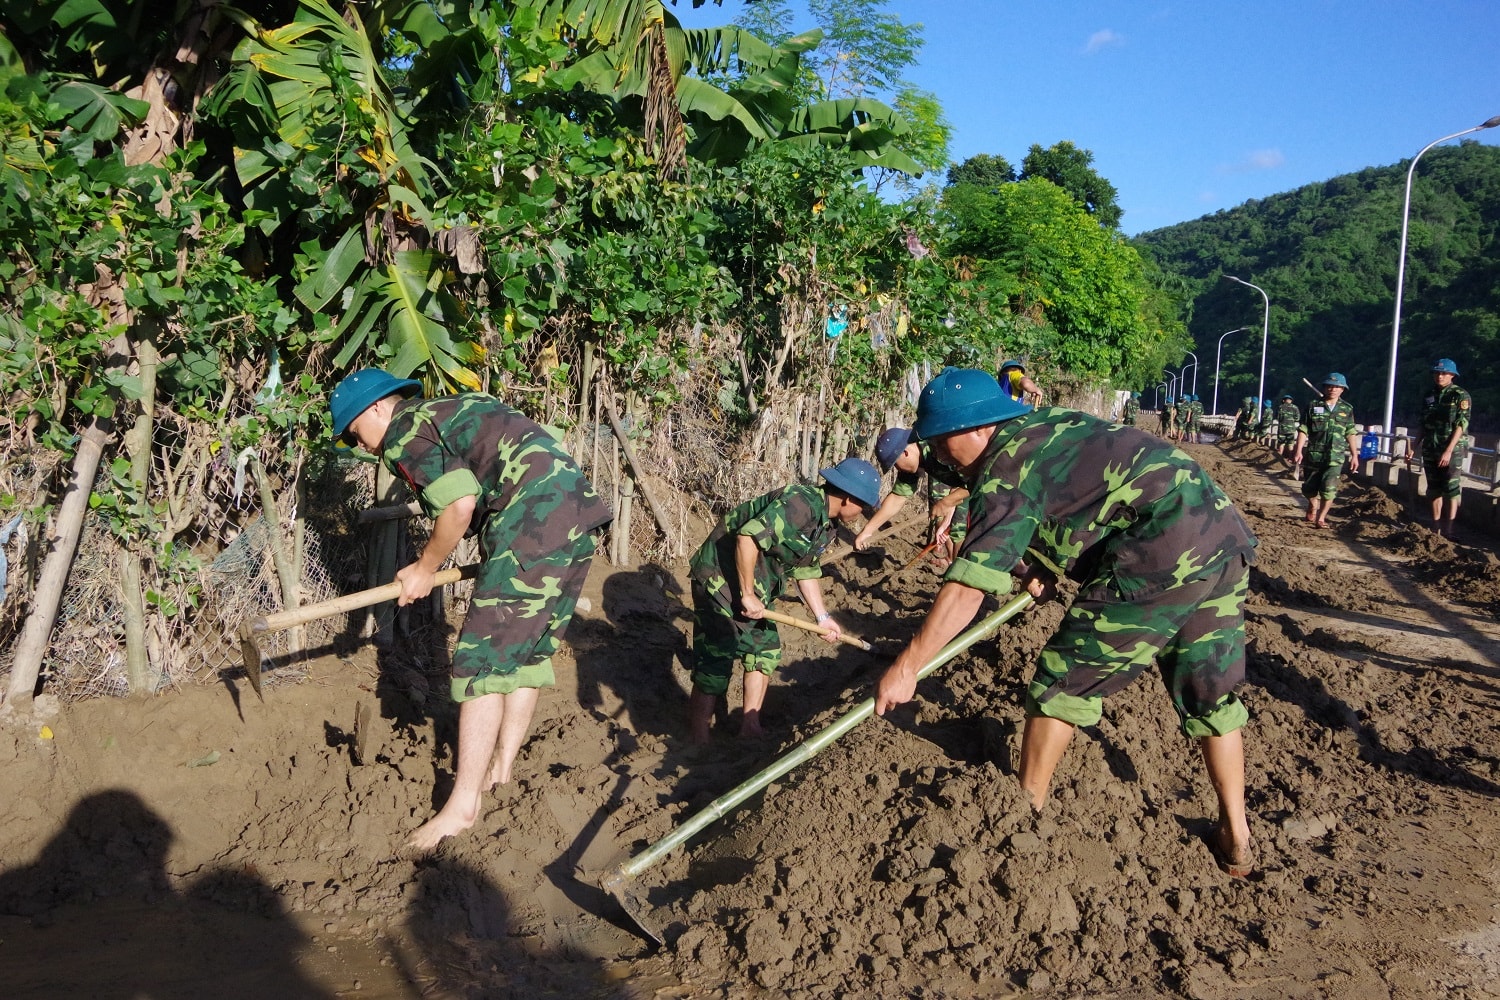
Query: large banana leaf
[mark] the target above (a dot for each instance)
(406, 298)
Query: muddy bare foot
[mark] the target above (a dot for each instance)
(445, 824)
(1235, 858)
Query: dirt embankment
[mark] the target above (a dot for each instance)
(206, 843)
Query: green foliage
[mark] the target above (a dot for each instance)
(1071, 169)
(1092, 309)
(1326, 256)
(983, 170)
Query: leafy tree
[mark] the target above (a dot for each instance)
(1071, 169)
(983, 169)
(1085, 291)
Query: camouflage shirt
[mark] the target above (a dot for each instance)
(790, 527)
(1288, 416)
(940, 478)
(1132, 412)
(474, 445)
(1443, 412)
(1099, 501)
(1328, 429)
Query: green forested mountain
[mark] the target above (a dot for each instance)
(1326, 255)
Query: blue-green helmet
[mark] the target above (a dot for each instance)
(1012, 363)
(358, 392)
(855, 477)
(1135, 395)
(962, 398)
(1334, 378)
(1445, 365)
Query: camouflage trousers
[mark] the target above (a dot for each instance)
(1195, 632)
(517, 614)
(720, 637)
(1321, 479)
(1443, 481)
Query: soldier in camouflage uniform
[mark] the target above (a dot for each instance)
(1163, 563)
(476, 464)
(1443, 443)
(1132, 412)
(741, 569)
(1327, 439)
(1190, 425)
(946, 493)
(1244, 420)
(1288, 416)
(1263, 430)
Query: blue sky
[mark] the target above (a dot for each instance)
(1192, 107)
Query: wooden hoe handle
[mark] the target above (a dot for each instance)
(349, 602)
(777, 616)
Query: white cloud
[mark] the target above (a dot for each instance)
(1104, 39)
(1255, 160)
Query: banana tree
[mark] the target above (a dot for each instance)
(638, 53)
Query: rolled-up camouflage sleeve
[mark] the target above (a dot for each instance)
(1002, 523)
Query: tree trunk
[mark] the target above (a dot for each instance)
(132, 574)
(32, 646)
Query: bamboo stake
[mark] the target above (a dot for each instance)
(637, 471)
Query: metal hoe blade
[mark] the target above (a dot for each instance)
(250, 652)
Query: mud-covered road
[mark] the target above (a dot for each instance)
(205, 844)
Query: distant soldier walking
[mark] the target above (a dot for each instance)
(1132, 412)
(1288, 416)
(1443, 440)
(1326, 441)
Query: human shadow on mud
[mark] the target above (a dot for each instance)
(470, 942)
(1326, 709)
(108, 923)
(628, 661)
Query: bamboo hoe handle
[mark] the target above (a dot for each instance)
(777, 616)
(350, 602)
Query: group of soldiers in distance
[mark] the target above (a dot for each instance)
(1317, 441)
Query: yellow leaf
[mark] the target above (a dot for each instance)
(46, 733)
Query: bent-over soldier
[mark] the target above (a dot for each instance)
(478, 465)
(742, 568)
(1162, 558)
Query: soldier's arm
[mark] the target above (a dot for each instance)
(416, 579)
(892, 503)
(745, 554)
(812, 595)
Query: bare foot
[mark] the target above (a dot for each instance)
(448, 822)
(1235, 857)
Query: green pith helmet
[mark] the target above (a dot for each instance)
(855, 477)
(961, 398)
(360, 391)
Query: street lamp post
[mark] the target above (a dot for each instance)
(1159, 387)
(1390, 386)
(1265, 339)
(1172, 383)
(1218, 354)
(1194, 389)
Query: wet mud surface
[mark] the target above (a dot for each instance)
(204, 843)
